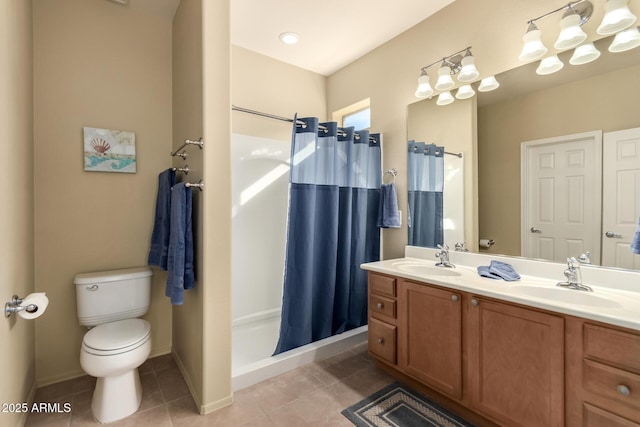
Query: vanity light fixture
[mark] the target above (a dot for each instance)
(625, 40)
(549, 65)
(460, 64)
(571, 33)
(445, 98)
(424, 87)
(533, 47)
(617, 17)
(584, 54)
(488, 84)
(577, 13)
(445, 82)
(468, 70)
(465, 92)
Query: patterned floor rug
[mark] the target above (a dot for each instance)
(398, 406)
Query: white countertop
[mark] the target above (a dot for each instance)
(615, 298)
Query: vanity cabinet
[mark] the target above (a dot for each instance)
(604, 383)
(515, 363)
(382, 332)
(430, 339)
(502, 361)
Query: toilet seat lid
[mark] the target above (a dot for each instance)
(117, 335)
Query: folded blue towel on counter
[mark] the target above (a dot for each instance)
(498, 270)
(158, 251)
(503, 270)
(388, 216)
(483, 270)
(635, 243)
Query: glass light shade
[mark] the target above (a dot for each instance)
(445, 82)
(424, 87)
(468, 72)
(464, 92)
(549, 65)
(617, 17)
(445, 98)
(625, 40)
(533, 47)
(488, 84)
(571, 34)
(584, 54)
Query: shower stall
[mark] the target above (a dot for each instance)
(260, 181)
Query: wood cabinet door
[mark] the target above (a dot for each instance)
(516, 364)
(431, 336)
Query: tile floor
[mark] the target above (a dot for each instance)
(312, 395)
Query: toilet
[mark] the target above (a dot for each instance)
(117, 343)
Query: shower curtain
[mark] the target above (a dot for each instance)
(426, 184)
(334, 193)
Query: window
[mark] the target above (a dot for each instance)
(357, 115)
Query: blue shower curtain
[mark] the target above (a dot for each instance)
(334, 196)
(426, 185)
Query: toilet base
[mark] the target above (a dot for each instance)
(117, 397)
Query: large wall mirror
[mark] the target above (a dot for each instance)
(598, 97)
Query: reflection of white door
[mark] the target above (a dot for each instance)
(621, 197)
(561, 197)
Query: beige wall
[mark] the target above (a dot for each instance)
(16, 186)
(264, 84)
(600, 102)
(216, 205)
(97, 64)
(454, 128)
(188, 340)
(388, 75)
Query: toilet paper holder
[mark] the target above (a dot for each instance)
(15, 305)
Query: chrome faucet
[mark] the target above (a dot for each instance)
(461, 247)
(574, 276)
(443, 255)
(585, 258)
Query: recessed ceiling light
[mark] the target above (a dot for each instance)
(289, 38)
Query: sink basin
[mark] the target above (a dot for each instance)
(569, 296)
(421, 268)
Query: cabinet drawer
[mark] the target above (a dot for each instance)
(609, 345)
(382, 340)
(596, 417)
(379, 305)
(382, 285)
(614, 384)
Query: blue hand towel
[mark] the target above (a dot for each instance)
(180, 255)
(504, 270)
(483, 270)
(388, 216)
(635, 243)
(160, 235)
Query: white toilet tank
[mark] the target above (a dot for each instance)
(107, 296)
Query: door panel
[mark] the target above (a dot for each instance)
(621, 197)
(561, 198)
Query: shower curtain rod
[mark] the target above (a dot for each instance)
(284, 119)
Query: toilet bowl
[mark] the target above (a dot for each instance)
(109, 302)
(112, 352)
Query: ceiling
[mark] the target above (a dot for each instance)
(333, 33)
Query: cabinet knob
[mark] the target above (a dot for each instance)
(475, 302)
(623, 390)
(380, 305)
(380, 340)
(454, 298)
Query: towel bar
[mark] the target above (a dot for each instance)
(198, 185)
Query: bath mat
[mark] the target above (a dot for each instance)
(398, 406)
